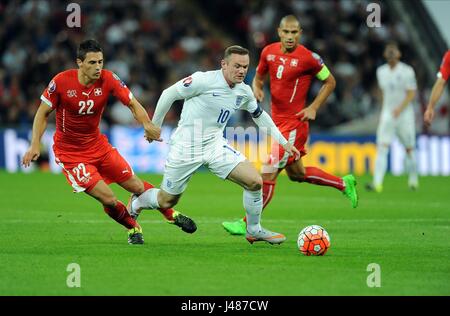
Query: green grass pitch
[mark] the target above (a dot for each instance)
(44, 227)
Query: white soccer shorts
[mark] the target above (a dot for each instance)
(403, 127)
(183, 161)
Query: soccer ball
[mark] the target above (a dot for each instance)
(313, 240)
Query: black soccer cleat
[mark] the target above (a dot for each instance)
(135, 236)
(184, 222)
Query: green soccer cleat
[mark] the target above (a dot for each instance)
(350, 189)
(135, 236)
(185, 223)
(236, 228)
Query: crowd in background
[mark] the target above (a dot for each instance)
(148, 44)
(151, 44)
(337, 30)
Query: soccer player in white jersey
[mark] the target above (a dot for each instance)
(397, 82)
(210, 99)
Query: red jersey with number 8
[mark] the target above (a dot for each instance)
(79, 109)
(291, 75)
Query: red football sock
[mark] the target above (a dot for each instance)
(167, 213)
(120, 214)
(319, 177)
(268, 191)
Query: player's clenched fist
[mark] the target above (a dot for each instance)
(428, 116)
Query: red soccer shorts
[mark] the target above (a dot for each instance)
(298, 136)
(84, 173)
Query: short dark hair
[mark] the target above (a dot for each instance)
(235, 49)
(88, 46)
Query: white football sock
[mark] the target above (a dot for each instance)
(380, 165)
(411, 167)
(253, 208)
(148, 200)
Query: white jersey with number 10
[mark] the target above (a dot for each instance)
(209, 104)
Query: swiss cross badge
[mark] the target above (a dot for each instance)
(270, 57)
(97, 92)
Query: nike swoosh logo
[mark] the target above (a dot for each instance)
(216, 94)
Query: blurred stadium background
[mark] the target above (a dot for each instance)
(151, 44)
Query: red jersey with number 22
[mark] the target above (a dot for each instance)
(291, 75)
(78, 112)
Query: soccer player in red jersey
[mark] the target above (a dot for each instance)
(291, 68)
(88, 161)
(438, 88)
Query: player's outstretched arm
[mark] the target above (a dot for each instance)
(436, 93)
(257, 86)
(39, 126)
(152, 132)
(262, 119)
(167, 98)
(309, 113)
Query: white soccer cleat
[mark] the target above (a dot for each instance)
(413, 184)
(267, 236)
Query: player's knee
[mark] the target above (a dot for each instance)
(109, 200)
(255, 184)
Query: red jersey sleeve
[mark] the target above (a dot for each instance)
(50, 96)
(315, 62)
(263, 66)
(444, 71)
(119, 88)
